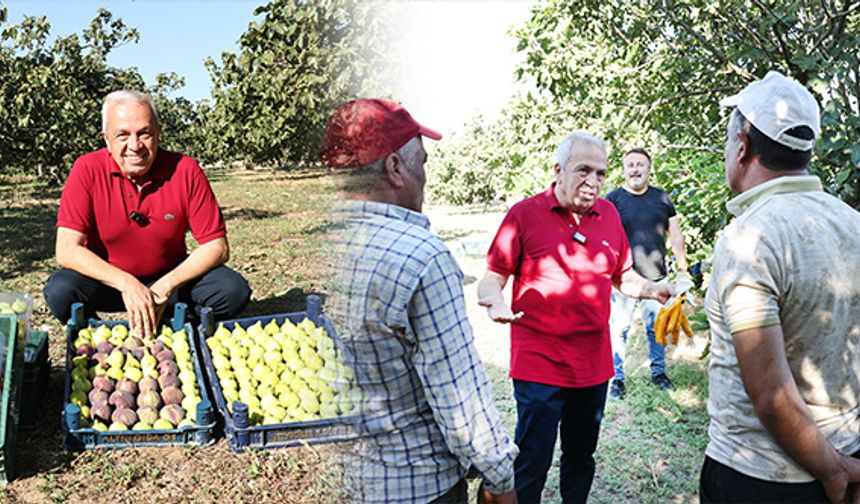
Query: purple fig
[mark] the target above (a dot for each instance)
(156, 347)
(168, 380)
(173, 413)
(97, 395)
(172, 395)
(124, 416)
(127, 385)
(149, 398)
(101, 411)
(85, 349)
(164, 355)
(123, 350)
(121, 399)
(147, 414)
(101, 357)
(104, 347)
(103, 382)
(148, 383)
(167, 367)
(138, 352)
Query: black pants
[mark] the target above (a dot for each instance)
(540, 410)
(222, 289)
(720, 483)
(458, 494)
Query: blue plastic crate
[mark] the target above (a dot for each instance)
(79, 438)
(240, 435)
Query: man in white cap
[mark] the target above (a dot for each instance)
(784, 310)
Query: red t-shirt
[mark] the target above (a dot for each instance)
(562, 286)
(98, 199)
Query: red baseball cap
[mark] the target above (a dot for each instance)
(362, 131)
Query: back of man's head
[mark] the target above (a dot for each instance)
(360, 132)
(781, 120)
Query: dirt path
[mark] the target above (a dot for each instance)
(468, 231)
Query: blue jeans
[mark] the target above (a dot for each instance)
(540, 410)
(619, 327)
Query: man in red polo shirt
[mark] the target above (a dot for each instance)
(565, 248)
(122, 222)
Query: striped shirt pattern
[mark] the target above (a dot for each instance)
(427, 410)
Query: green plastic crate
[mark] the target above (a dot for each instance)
(10, 357)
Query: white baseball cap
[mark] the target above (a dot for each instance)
(776, 104)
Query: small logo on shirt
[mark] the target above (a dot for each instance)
(170, 217)
(605, 243)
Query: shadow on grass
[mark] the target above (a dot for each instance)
(280, 173)
(26, 238)
(40, 450)
(247, 214)
(293, 300)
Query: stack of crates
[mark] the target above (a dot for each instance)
(15, 311)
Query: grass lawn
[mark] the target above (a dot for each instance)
(651, 444)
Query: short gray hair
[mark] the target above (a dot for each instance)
(736, 123)
(562, 155)
(127, 95)
(366, 177)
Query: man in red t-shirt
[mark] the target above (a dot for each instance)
(566, 249)
(122, 222)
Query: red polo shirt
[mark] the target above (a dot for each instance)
(98, 199)
(563, 288)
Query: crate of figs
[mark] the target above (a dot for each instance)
(280, 380)
(122, 390)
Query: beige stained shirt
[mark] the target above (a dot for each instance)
(791, 257)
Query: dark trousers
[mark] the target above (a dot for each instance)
(541, 409)
(458, 494)
(720, 483)
(222, 289)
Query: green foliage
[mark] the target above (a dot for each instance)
(51, 94)
(294, 65)
(651, 74)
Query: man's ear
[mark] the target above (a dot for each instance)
(744, 152)
(394, 167)
(556, 168)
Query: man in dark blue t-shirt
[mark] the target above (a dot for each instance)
(647, 215)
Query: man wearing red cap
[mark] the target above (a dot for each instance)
(427, 410)
(784, 373)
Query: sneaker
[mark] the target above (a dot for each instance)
(662, 382)
(616, 389)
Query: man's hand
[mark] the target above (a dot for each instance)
(501, 313)
(487, 497)
(490, 295)
(141, 305)
(659, 291)
(842, 488)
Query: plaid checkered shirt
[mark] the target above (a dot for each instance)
(427, 412)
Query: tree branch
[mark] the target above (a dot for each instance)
(719, 55)
(699, 148)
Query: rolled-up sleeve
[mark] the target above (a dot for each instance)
(454, 378)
